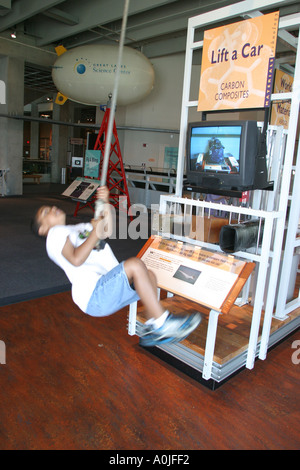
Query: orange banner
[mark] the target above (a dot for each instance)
(238, 64)
(280, 115)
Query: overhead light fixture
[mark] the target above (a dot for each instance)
(13, 35)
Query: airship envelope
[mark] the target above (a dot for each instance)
(86, 74)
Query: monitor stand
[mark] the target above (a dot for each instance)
(223, 192)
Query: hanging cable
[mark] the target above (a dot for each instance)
(99, 203)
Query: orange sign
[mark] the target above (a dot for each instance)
(238, 64)
(280, 115)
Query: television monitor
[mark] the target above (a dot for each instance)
(225, 155)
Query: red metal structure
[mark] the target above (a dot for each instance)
(116, 178)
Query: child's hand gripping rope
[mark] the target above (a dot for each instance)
(102, 221)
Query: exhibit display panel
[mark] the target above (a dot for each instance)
(270, 317)
(203, 276)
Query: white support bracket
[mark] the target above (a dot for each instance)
(132, 319)
(210, 344)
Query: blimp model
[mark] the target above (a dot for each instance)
(86, 74)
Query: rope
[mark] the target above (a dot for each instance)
(99, 203)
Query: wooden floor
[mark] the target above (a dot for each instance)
(75, 382)
(233, 328)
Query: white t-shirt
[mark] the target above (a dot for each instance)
(85, 277)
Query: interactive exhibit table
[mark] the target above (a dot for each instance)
(194, 279)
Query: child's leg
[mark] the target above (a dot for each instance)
(164, 327)
(145, 285)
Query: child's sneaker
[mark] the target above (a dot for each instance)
(176, 328)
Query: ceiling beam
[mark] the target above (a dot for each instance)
(61, 16)
(6, 4)
(27, 52)
(24, 9)
(142, 28)
(91, 15)
(165, 47)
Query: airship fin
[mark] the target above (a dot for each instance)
(60, 50)
(60, 98)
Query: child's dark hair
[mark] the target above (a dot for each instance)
(35, 225)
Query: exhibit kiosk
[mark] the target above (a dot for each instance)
(245, 290)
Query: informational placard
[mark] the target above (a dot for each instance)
(238, 64)
(92, 162)
(280, 115)
(81, 189)
(195, 273)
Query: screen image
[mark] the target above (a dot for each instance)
(216, 149)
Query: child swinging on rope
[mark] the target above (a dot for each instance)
(101, 285)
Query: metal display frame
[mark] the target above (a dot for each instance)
(279, 210)
(145, 185)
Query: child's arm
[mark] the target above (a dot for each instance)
(78, 255)
(103, 193)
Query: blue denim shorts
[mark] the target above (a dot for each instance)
(112, 293)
